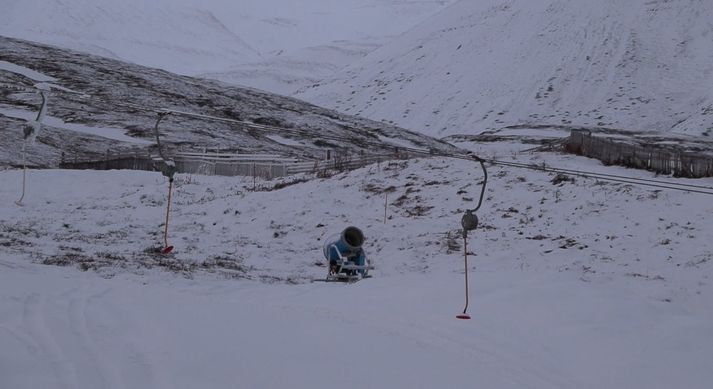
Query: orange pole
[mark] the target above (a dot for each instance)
(386, 201)
(465, 254)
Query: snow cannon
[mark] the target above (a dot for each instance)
(347, 259)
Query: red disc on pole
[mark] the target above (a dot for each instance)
(464, 316)
(167, 250)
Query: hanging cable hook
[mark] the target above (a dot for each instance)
(29, 133)
(469, 222)
(160, 116)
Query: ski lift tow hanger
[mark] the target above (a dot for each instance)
(168, 169)
(469, 222)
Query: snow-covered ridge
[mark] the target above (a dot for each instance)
(482, 65)
(287, 72)
(196, 37)
(156, 33)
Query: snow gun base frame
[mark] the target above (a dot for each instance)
(348, 273)
(345, 270)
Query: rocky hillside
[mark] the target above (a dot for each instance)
(114, 109)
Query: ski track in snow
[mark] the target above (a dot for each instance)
(78, 351)
(483, 352)
(105, 373)
(35, 321)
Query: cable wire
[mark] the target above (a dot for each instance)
(462, 154)
(628, 180)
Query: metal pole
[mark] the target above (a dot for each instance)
(465, 314)
(166, 248)
(24, 174)
(386, 201)
(465, 260)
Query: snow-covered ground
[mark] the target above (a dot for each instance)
(579, 284)
(483, 65)
(257, 43)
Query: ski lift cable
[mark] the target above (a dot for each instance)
(303, 132)
(469, 156)
(272, 129)
(588, 174)
(250, 125)
(461, 155)
(630, 178)
(585, 174)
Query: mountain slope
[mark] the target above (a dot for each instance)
(195, 37)
(157, 34)
(476, 66)
(286, 73)
(115, 109)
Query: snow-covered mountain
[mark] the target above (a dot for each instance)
(248, 38)
(481, 65)
(114, 109)
(286, 73)
(162, 34)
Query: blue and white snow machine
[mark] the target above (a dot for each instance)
(347, 259)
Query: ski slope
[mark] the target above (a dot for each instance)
(249, 39)
(579, 284)
(483, 65)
